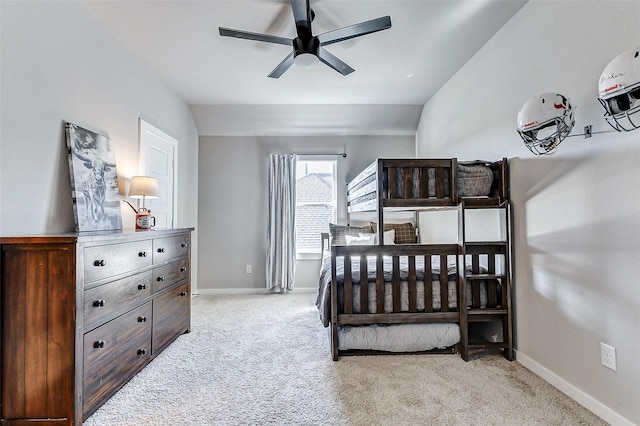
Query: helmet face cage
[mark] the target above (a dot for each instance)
(548, 144)
(620, 108)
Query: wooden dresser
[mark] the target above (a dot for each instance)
(82, 313)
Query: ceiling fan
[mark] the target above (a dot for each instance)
(308, 49)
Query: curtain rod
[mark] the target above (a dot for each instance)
(343, 155)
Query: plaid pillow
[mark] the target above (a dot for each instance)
(405, 232)
(337, 233)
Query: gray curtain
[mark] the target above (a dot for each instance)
(281, 231)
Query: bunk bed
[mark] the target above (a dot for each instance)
(420, 284)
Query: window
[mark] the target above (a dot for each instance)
(315, 204)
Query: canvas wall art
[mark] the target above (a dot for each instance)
(94, 180)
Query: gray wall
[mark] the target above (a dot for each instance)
(59, 64)
(576, 212)
(233, 200)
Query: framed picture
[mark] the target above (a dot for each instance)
(94, 180)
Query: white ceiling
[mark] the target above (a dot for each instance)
(397, 70)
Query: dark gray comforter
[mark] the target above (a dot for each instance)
(323, 301)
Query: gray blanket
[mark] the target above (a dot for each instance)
(474, 180)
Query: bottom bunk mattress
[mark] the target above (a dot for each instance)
(399, 337)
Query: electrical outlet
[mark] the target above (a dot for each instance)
(248, 269)
(608, 356)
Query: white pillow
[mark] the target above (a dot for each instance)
(361, 240)
(389, 237)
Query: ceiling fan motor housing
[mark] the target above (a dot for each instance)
(303, 49)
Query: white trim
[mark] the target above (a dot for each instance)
(239, 291)
(582, 398)
(303, 256)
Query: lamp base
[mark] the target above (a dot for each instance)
(144, 220)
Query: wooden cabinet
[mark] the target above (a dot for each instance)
(82, 313)
(113, 353)
(170, 313)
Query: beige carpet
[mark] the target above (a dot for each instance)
(265, 360)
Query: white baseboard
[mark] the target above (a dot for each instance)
(229, 291)
(587, 401)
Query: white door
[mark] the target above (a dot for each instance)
(158, 152)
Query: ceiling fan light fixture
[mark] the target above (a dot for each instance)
(306, 60)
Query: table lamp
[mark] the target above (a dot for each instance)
(143, 187)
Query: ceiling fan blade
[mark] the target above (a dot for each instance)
(334, 62)
(228, 32)
(355, 30)
(282, 66)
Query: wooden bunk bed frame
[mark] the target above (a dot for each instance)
(417, 184)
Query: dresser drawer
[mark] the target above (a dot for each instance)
(170, 248)
(104, 301)
(113, 353)
(108, 260)
(167, 275)
(171, 316)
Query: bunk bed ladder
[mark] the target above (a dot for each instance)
(490, 267)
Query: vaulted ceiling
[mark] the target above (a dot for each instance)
(225, 82)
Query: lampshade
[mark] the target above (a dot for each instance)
(143, 187)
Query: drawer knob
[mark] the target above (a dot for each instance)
(98, 303)
(183, 269)
(184, 245)
(183, 293)
(142, 286)
(142, 319)
(142, 351)
(100, 262)
(99, 344)
(159, 279)
(161, 250)
(142, 254)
